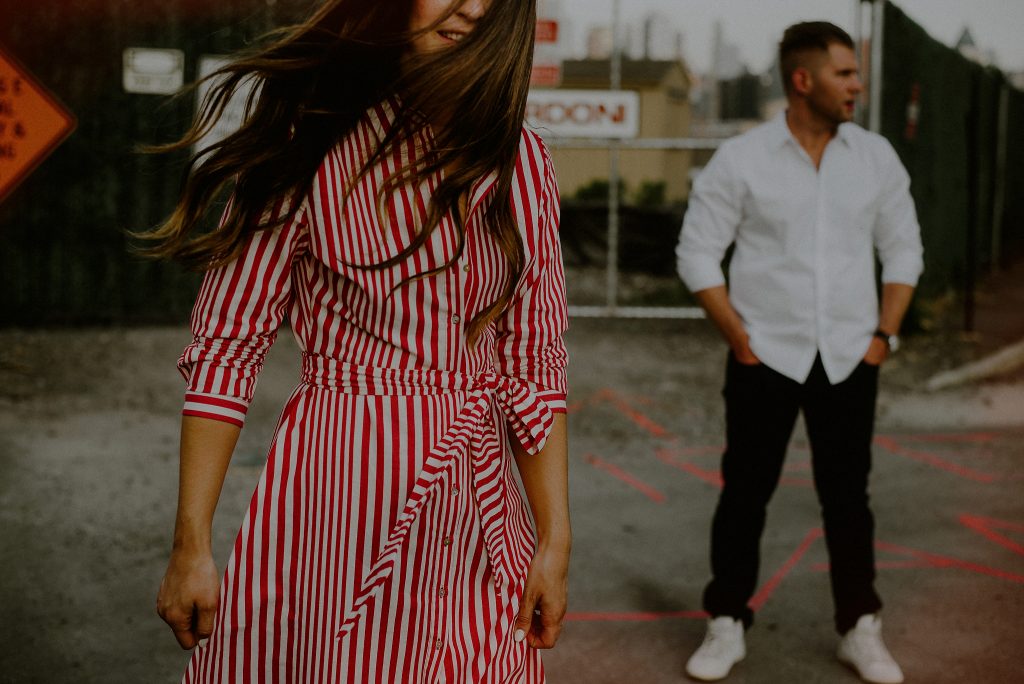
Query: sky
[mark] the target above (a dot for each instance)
(756, 25)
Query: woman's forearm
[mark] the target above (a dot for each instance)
(206, 448)
(545, 477)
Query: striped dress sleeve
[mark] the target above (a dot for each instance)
(529, 342)
(235, 320)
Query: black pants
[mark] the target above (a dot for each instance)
(761, 408)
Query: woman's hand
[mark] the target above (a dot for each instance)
(544, 597)
(189, 594)
(190, 590)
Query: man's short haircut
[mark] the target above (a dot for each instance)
(799, 40)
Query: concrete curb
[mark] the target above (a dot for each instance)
(1003, 361)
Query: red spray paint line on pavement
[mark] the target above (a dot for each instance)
(640, 616)
(769, 587)
(756, 603)
(937, 561)
(712, 450)
(974, 437)
(893, 446)
(713, 477)
(668, 457)
(983, 526)
(613, 470)
(924, 559)
(638, 418)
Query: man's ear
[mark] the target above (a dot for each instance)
(803, 80)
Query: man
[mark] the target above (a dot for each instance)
(806, 199)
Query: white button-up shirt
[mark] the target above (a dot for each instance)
(802, 274)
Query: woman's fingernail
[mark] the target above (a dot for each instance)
(203, 642)
(519, 635)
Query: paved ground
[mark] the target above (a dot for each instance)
(88, 473)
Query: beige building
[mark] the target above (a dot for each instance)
(664, 89)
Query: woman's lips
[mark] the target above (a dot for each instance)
(451, 36)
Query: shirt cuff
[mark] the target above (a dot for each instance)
(225, 409)
(700, 274)
(906, 273)
(554, 399)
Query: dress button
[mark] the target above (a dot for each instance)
(447, 541)
(455, 491)
(457, 318)
(466, 268)
(442, 592)
(437, 644)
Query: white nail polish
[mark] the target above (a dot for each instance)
(519, 635)
(203, 642)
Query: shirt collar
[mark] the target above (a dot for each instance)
(780, 130)
(781, 134)
(844, 133)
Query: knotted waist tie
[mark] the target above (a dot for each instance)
(527, 414)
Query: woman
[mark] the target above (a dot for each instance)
(386, 199)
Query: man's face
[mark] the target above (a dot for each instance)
(452, 30)
(835, 85)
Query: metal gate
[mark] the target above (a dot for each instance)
(611, 307)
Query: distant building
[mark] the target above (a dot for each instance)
(726, 64)
(739, 97)
(599, 43)
(663, 86)
(726, 60)
(773, 91)
(660, 38)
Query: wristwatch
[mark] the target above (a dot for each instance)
(892, 342)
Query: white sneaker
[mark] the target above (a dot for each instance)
(722, 648)
(863, 650)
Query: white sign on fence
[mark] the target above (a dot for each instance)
(153, 72)
(234, 113)
(584, 113)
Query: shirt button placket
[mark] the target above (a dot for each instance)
(445, 574)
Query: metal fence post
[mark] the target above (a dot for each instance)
(875, 85)
(999, 192)
(615, 83)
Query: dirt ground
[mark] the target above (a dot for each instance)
(88, 441)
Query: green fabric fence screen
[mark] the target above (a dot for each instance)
(64, 256)
(940, 110)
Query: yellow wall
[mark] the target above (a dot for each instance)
(664, 113)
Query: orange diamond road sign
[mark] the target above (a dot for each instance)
(32, 123)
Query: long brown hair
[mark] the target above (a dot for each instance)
(315, 81)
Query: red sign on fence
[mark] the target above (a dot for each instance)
(32, 123)
(547, 31)
(546, 76)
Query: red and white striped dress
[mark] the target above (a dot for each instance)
(387, 540)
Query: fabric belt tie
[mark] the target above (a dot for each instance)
(526, 413)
